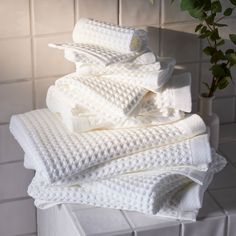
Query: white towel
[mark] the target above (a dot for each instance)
(150, 76)
(155, 109)
(171, 193)
(193, 154)
(113, 37)
(79, 119)
(60, 154)
(94, 55)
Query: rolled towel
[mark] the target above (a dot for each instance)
(117, 38)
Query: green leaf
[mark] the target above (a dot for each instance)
(229, 51)
(209, 50)
(221, 42)
(228, 11)
(223, 83)
(218, 56)
(210, 19)
(217, 71)
(233, 38)
(233, 2)
(196, 13)
(216, 6)
(152, 1)
(203, 29)
(198, 27)
(232, 58)
(190, 4)
(215, 35)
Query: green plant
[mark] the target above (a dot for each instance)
(210, 14)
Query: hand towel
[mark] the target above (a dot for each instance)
(79, 119)
(60, 154)
(117, 38)
(94, 55)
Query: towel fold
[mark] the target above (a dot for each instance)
(60, 154)
(117, 38)
(170, 194)
(161, 107)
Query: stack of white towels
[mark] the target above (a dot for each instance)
(116, 133)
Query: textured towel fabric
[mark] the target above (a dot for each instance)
(94, 55)
(192, 153)
(154, 109)
(78, 119)
(150, 76)
(113, 37)
(107, 98)
(60, 154)
(170, 193)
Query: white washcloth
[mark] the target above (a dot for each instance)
(59, 154)
(113, 37)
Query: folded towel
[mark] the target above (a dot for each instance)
(78, 119)
(110, 99)
(155, 108)
(171, 193)
(175, 94)
(94, 55)
(60, 154)
(193, 154)
(113, 37)
(150, 76)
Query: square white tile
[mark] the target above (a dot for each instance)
(15, 59)
(14, 180)
(180, 42)
(14, 18)
(15, 98)
(41, 88)
(102, 10)
(17, 218)
(50, 61)
(54, 16)
(10, 150)
(139, 12)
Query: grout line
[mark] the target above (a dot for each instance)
(15, 81)
(10, 162)
(27, 234)
(52, 34)
(119, 12)
(15, 37)
(4, 123)
(31, 12)
(75, 11)
(14, 199)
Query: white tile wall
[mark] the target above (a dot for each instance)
(28, 67)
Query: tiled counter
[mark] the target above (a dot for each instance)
(216, 218)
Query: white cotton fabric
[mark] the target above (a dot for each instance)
(60, 154)
(172, 193)
(166, 105)
(117, 38)
(94, 55)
